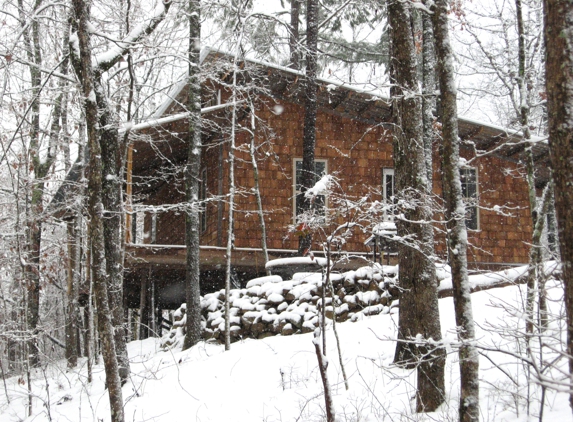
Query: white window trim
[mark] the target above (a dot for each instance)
(388, 171)
(296, 192)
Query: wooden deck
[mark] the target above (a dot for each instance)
(214, 257)
(160, 270)
(211, 257)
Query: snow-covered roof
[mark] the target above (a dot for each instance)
(178, 86)
(213, 53)
(371, 105)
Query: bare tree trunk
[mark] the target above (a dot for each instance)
(253, 151)
(419, 313)
(113, 153)
(323, 368)
(231, 216)
(559, 81)
(534, 271)
(294, 36)
(89, 337)
(230, 223)
(455, 218)
(74, 226)
(74, 248)
(143, 309)
(428, 91)
(84, 71)
(73, 316)
(310, 111)
(536, 274)
(328, 283)
(193, 221)
(4, 381)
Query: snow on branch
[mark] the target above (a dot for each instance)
(320, 187)
(104, 61)
(423, 7)
(130, 126)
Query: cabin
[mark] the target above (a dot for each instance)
(354, 144)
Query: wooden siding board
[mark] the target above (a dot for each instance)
(356, 151)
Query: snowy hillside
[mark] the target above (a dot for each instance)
(276, 379)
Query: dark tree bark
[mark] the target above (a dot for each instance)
(455, 217)
(74, 265)
(84, 71)
(192, 176)
(323, 369)
(559, 81)
(419, 314)
(310, 111)
(73, 350)
(113, 156)
(294, 36)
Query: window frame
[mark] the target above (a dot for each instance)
(389, 171)
(297, 192)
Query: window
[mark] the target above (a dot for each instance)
(319, 171)
(468, 177)
(388, 194)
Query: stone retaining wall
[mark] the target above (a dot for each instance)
(270, 306)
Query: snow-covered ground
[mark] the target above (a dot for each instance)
(276, 379)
